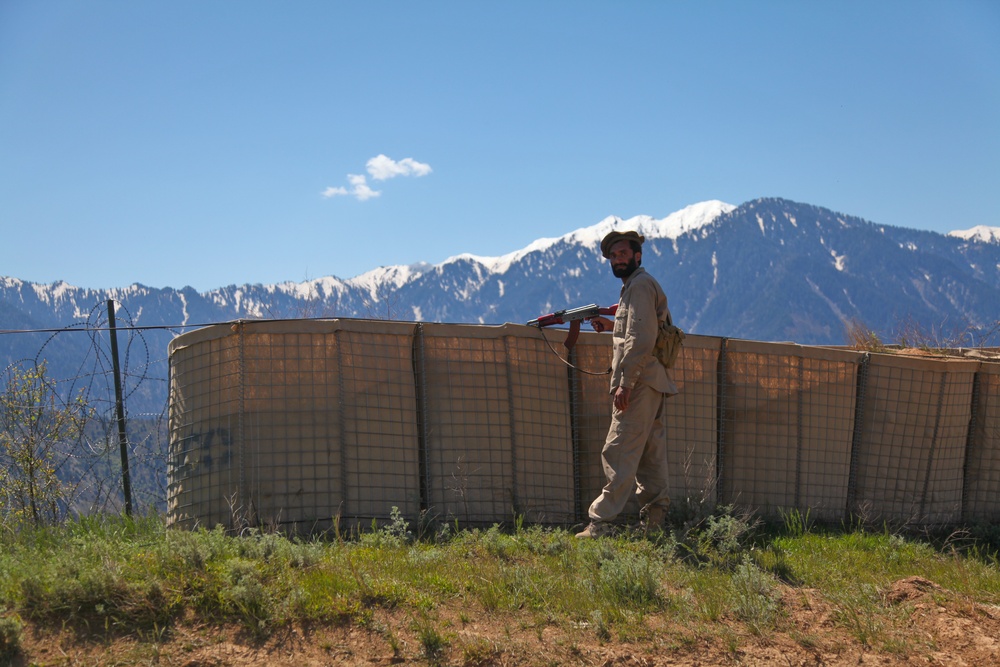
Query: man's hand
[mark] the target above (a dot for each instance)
(602, 324)
(622, 395)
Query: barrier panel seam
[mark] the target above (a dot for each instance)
(798, 433)
(575, 435)
(933, 447)
(514, 496)
(858, 434)
(720, 422)
(240, 406)
(970, 441)
(420, 378)
(341, 406)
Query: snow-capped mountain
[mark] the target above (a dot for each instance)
(980, 233)
(769, 269)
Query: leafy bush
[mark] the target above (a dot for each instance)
(11, 629)
(36, 436)
(722, 538)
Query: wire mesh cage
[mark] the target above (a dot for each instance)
(496, 424)
(914, 428)
(982, 464)
(787, 423)
(303, 424)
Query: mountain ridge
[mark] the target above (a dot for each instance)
(768, 269)
(691, 218)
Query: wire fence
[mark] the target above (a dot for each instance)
(305, 424)
(85, 462)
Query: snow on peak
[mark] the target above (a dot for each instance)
(979, 233)
(310, 289)
(395, 275)
(502, 263)
(674, 225)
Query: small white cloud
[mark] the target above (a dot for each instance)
(334, 192)
(359, 189)
(381, 167)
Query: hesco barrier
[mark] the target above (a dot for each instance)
(301, 424)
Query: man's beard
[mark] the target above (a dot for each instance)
(625, 271)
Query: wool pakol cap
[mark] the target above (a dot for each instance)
(615, 237)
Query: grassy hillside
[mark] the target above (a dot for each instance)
(725, 590)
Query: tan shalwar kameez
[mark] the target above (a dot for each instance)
(634, 456)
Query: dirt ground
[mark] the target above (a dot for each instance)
(930, 626)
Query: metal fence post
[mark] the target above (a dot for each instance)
(120, 408)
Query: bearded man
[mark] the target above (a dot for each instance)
(634, 456)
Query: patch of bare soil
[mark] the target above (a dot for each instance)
(930, 626)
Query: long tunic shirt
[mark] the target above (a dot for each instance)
(641, 308)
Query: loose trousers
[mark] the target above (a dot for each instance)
(634, 456)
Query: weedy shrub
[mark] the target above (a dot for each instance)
(858, 609)
(394, 534)
(983, 541)
(796, 524)
(255, 544)
(601, 627)
(509, 587)
(910, 334)
(432, 641)
(630, 580)
(722, 538)
(192, 551)
(11, 631)
(543, 541)
(757, 600)
(246, 597)
(861, 338)
(709, 593)
(913, 334)
(479, 652)
(498, 544)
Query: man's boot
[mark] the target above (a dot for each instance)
(595, 529)
(654, 520)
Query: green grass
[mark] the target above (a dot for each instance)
(118, 576)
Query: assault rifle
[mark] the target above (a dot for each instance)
(573, 316)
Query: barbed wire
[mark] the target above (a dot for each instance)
(90, 469)
(88, 327)
(84, 328)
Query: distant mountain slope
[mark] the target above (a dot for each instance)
(787, 271)
(770, 269)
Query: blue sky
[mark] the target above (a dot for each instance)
(206, 144)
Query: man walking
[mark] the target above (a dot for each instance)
(635, 452)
